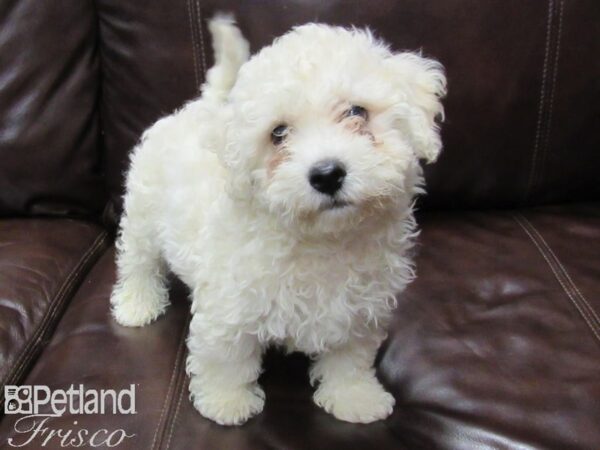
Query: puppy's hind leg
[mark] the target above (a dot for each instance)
(140, 294)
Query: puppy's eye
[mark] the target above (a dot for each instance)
(278, 134)
(359, 111)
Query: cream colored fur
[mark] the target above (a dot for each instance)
(268, 260)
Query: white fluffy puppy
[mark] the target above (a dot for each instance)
(283, 199)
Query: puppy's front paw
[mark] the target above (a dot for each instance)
(133, 307)
(358, 399)
(130, 316)
(230, 407)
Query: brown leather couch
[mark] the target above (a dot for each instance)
(496, 345)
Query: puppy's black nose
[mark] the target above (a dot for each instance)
(327, 176)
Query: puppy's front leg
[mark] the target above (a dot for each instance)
(348, 387)
(224, 367)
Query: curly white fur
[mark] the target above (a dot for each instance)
(268, 258)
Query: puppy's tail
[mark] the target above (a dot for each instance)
(231, 50)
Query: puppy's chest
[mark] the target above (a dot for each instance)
(319, 301)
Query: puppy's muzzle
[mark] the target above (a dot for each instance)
(327, 176)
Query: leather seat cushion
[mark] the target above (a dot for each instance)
(42, 262)
(495, 345)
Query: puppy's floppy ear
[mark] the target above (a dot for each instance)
(422, 85)
(231, 50)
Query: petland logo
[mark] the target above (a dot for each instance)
(33, 426)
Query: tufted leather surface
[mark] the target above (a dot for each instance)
(42, 262)
(488, 349)
(49, 153)
(523, 95)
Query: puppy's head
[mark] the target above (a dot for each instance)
(325, 128)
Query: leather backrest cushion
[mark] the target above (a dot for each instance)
(521, 115)
(49, 72)
(151, 64)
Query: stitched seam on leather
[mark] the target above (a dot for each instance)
(563, 282)
(546, 147)
(54, 307)
(202, 54)
(581, 296)
(160, 426)
(536, 145)
(522, 221)
(567, 278)
(194, 45)
(570, 281)
(181, 386)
